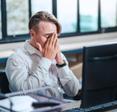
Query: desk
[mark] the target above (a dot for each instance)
(71, 106)
(18, 100)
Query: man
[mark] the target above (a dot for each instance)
(40, 63)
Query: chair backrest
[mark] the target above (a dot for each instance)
(4, 84)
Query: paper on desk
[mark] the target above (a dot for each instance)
(20, 103)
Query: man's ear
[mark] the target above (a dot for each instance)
(32, 33)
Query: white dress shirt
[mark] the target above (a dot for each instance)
(28, 69)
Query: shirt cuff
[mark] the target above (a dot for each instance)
(45, 63)
(64, 72)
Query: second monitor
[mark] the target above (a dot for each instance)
(99, 84)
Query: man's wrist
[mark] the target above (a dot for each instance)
(60, 62)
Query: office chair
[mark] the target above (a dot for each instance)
(4, 84)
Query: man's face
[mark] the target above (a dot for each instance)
(45, 31)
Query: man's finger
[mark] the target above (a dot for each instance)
(52, 40)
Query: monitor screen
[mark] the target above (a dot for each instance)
(99, 83)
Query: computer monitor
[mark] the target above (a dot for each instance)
(99, 84)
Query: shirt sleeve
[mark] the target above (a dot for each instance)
(68, 80)
(19, 77)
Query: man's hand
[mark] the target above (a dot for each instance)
(39, 47)
(50, 49)
(58, 58)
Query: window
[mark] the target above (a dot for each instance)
(38, 5)
(17, 17)
(108, 13)
(88, 15)
(67, 15)
(77, 17)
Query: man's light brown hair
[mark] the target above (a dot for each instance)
(43, 16)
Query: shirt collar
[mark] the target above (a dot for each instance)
(28, 47)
